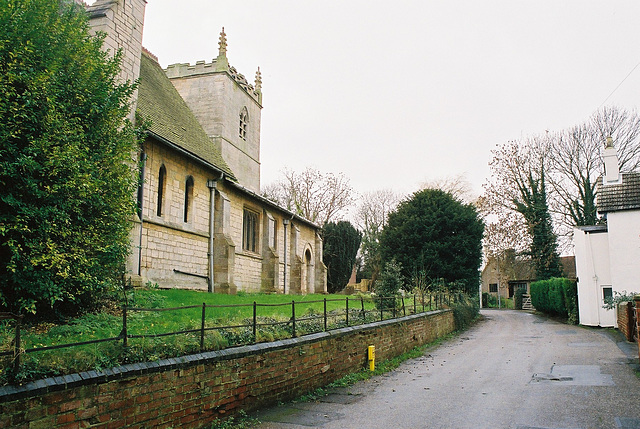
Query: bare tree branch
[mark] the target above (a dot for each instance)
(318, 197)
(457, 185)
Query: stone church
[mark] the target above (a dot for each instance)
(201, 222)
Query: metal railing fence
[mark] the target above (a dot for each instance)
(354, 313)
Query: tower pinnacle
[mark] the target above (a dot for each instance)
(222, 51)
(258, 84)
(222, 64)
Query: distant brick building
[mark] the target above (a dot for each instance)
(516, 272)
(202, 223)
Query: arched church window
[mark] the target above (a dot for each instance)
(244, 121)
(162, 180)
(250, 225)
(188, 198)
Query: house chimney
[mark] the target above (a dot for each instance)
(611, 168)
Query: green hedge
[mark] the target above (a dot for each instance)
(557, 297)
(465, 311)
(518, 298)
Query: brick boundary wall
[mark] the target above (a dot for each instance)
(624, 319)
(637, 310)
(191, 391)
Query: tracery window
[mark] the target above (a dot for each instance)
(250, 231)
(244, 121)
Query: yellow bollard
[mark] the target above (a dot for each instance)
(372, 357)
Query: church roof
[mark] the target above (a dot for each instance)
(171, 119)
(622, 196)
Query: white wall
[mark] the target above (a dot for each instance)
(624, 250)
(593, 271)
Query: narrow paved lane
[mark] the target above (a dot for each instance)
(512, 370)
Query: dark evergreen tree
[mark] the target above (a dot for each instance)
(66, 179)
(532, 204)
(340, 247)
(389, 285)
(434, 234)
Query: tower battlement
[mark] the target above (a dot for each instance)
(202, 67)
(218, 65)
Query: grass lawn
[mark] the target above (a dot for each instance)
(108, 324)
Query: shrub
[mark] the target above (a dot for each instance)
(489, 300)
(570, 291)
(465, 311)
(557, 297)
(517, 302)
(612, 302)
(66, 173)
(389, 283)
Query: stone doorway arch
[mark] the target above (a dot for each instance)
(308, 280)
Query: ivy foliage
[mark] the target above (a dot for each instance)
(435, 234)
(533, 206)
(341, 244)
(67, 178)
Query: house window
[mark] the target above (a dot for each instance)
(493, 287)
(250, 231)
(162, 178)
(244, 121)
(607, 293)
(188, 198)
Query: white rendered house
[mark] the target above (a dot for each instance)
(608, 256)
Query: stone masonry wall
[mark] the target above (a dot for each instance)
(191, 391)
(217, 100)
(122, 22)
(168, 242)
(166, 250)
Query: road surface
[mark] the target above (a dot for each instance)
(511, 370)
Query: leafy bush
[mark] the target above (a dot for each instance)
(557, 297)
(389, 283)
(66, 198)
(489, 300)
(518, 298)
(465, 311)
(570, 292)
(612, 302)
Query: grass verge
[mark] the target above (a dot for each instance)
(273, 309)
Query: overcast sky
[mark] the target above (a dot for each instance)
(401, 92)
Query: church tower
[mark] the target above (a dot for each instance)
(228, 108)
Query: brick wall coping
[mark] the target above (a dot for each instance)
(85, 378)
